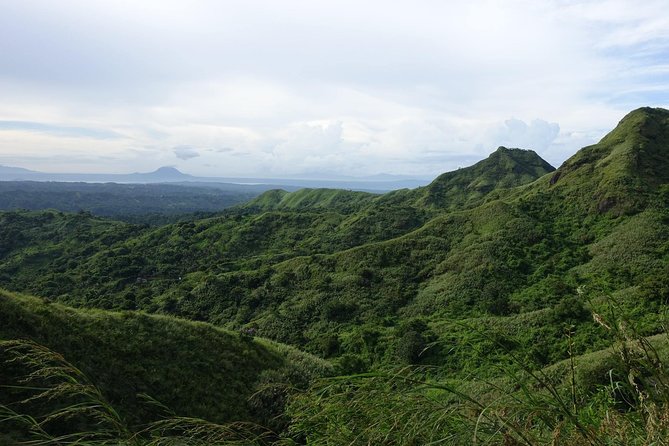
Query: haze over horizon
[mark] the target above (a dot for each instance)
(267, 89)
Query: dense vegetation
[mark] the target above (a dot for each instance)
(192, 368)
(496, 267)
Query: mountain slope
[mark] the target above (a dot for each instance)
(306, 222)
(465, 187)
(622, 171)
(372, 282)
(331, 199)
(193, 368)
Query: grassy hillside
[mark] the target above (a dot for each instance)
(194, 369)
(503, 169)
(615, 396)
(344, 201)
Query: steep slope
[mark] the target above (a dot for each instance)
(193, 368)
(623, 171)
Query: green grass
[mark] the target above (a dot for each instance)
(193, 368)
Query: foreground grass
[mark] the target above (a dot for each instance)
(616, 396)
(193, 368)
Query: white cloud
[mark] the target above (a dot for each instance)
(350, 87)
(538, 135)
(185, 152)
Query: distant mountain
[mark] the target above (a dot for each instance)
(8, 173)
(161, 175)
(165, 174)
(6, 170)
(173, 175)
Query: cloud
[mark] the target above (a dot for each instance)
(298, 86)
(59, 130)
(538, 135)
(185, 152)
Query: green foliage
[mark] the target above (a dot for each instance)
(136, 203)
(611, 397)
(309, 267)
(503, 244)
(192, 368)
(505, 168)
(344, 201)
(56, 404)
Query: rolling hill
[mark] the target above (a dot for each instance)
(504, 269)
(192, 368)
(348, 274)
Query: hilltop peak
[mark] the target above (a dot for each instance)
(648, 111)
(502, 150)
(168, 170)
(628, 164)
(644, 122)
(520, 156)
(504, 168)
(641, 136)
(517, 160)
(162, 174)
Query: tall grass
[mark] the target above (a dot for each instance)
(523, 407)
(52, 394)
(50, 402)
(59, 405)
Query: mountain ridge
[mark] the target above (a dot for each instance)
(502, 169)
(318, 274)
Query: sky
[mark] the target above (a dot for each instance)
(319, 88)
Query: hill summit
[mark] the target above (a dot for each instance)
(625, 168)
(167, 172)
(504, 168)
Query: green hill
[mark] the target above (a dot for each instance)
(194, 369)
(344, 201)
(503, 169)
(369, 279)
(503, 267)
(621, 172)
